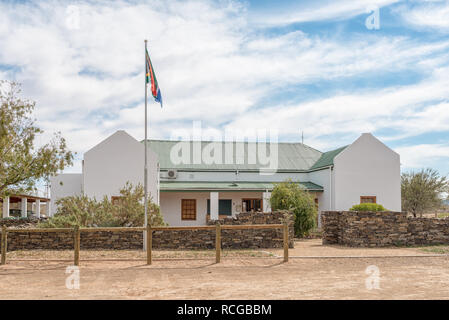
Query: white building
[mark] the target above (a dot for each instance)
(230, 180)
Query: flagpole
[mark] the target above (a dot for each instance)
(145, 175)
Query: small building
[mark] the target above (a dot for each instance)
(25, 205)
(194, 181)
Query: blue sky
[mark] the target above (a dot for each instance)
(294, 66)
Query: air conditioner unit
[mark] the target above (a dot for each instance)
(172, 174)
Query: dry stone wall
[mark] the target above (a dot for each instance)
(381, 229)
(20, 223)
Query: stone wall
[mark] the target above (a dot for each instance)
(172, 240)
(380, 229)
(20, 222)
(256, 238)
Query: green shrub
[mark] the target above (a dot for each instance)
(82, 211)
(368, 207)
(288, 195)
(9, 218)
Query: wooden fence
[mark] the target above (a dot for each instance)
(149, 236)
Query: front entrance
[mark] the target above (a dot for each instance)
(224, 208)
(249, 205)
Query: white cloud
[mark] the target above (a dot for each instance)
(423, 155)
(318, 11)
(427, 14)
(409, 110)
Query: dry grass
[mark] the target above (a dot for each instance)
(436, 249)
(131, 254)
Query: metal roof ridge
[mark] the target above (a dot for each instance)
(210, 141)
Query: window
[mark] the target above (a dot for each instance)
(249, 205)
(116, 200)
(224, 207)
(188, 209)
(368, 199)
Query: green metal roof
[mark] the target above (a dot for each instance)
(227, 186)
(327, 158)
(291, 157)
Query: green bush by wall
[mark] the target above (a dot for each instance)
(374, 207)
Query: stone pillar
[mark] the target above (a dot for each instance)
(5, 207)
(214, 205)
(38, 208)
(266, 201)
(23, 207)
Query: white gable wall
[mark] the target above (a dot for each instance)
(64, 185)
(113, 162)
(367, 168)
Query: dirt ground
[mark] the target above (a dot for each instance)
(314, 272)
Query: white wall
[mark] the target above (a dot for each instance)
(367, 168)
(171, 205)
(242, 176)
(324, 178)
(64, 185)
(113, 162)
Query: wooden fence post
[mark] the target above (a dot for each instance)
(285, 241)
(77, 240)
(4, 244)
(149, 244)
(217, 243)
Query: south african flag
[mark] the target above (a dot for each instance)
(151, 77)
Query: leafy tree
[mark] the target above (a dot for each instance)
(374, 207)
(127, 211)
(288, 195)
(421, 191)
(22, 164)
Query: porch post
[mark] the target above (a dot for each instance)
(23, 207)
(266, 201)
(38, 208)
(5, 207)
(48, 208)
(214, 205)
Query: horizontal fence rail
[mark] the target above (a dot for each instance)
(149, 236)
(252, 226)
(114, 229)
(33, 230)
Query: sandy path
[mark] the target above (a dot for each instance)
(314, 248)
(405, 273)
